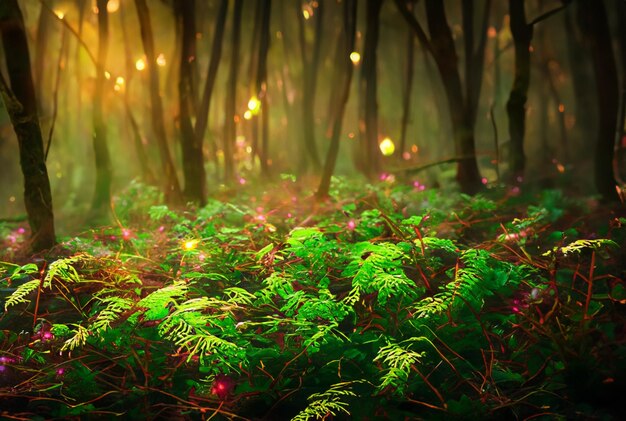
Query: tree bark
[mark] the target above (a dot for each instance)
(310, 66)
(172, 189)
(408, 87)
(516, 105)
(594, 24)
(230, 130)
(193, 160)
(369, 94)
(261, 84)
(343, 79)
(21, 104)
(101, 202)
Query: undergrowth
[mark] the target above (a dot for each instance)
(395, 303)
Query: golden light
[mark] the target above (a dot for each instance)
(387, 147)
(60, 14)
(107, 75)
(247, 115)
(140, 64)
(561, 108)
(113, 6)
(355, 57)
(160, 60)
(307, 11)
(119, 80)
(560, 168)
(254, 105)
(190, 244)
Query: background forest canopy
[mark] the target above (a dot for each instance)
(191, 95)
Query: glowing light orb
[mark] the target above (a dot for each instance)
(119, 80)
(113, 6)
(355, 57)
(60, 14)
(247, 115)
(387, 148)
(254, 105)
(140, 64)
(107, 75)
(190, 244)
(160, 60)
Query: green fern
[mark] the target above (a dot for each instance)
(64, 270)
(19, 295)
(157, 303)
(114, 306)
(398, 359)
(582, 244)
(81, 334)
(329, 403)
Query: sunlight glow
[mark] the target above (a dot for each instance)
(140, 64)
(387, 148)
(60, 14)
(113, 6)
(355, 57)
(160, 60)
(247, 115)
(254, 105)
(190, 244)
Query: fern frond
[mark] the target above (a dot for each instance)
(157, 303)
(582, 244)
(398, 361)
(20, 294)
(79, 339)
(114, 306)
(239, 296)
(64, 270)
(331, 402)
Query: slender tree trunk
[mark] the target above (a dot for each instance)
(516, 106)
(408, 87)
(467, 175)
(172, 187)
(102, 194)
(595, 27)
(21, 105)
(193, 159)
(343, 80)
(144, 163)
(261, 84)
(230, 129)
(43, 34)
(310, 66)
(216, 54)
(369, 94)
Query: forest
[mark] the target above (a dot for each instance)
(312, 209)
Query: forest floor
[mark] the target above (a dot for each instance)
(385, 302)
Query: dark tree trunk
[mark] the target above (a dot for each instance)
(193, 159)
(369, 94)
(144, 163)
(230, 130)
(342, 81)
(172, 187)
(216, 54)
(102, 195)
(442, 48)
(408, 87)
(516, 106)
(22, 107)
(261, 84)
(467, 174)
(595, 27)
(310, 66)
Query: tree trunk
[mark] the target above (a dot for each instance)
(261, 84)
(43, 35)
(467, 175)
(516, 106)
(101, 202)
(595, 27)
(193, 159)
(216, 54)
(172, 187)
(343, 79)
(230, 130)
(408, 87)
(369, 94)
(21, 104)
(310, 66)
